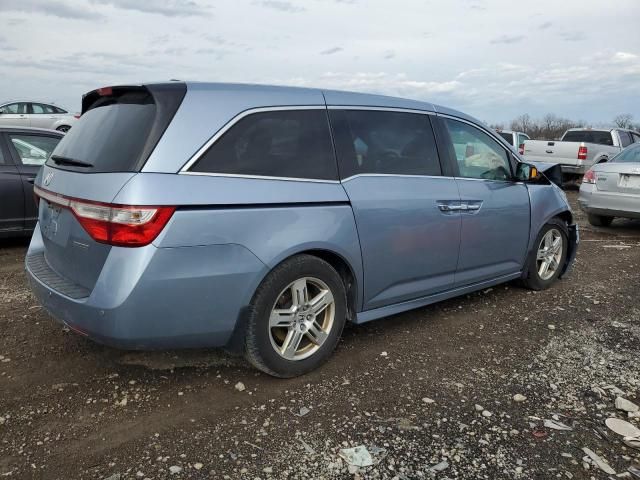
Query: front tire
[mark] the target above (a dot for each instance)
(599, 220)
(296, 317)
(547, 259)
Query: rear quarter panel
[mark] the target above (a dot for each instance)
(274, 219)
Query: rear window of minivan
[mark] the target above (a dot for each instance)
(118, 129)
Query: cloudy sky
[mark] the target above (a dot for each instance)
(493, 59)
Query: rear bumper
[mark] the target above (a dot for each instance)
(611, 204)
(149, 297)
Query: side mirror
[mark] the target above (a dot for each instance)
(525, 172)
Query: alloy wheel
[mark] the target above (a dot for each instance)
(549, 254)
(301, 318)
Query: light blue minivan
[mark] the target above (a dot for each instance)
(263, 218)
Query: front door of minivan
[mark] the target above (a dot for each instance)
(391, 172)
(495, 209)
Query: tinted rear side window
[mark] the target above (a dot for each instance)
(287, 143)
(118, 129)
(601, 137)
(369, 141)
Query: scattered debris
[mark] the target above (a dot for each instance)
(302, 412)
(622, 427)
(198, 466)
(539, 432)
(518, 397)
(556, 425)
(428, 400)
(240, 387)
(308, 448)
(634, 470)
(599, 461)
(174, 469)
(443, 465)
(384, 354)
(357, 456)
(626, 405)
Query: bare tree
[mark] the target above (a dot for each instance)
(522, 123)
(624, 120)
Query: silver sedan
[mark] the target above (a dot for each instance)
(25, 113)
(612, 189)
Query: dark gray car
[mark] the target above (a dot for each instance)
(23, 151)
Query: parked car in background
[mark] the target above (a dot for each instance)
(299, 210)
(612, 189)
(515, 139)
(20, 113)
(580, 148)
(23, 151)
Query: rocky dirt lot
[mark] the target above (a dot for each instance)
(461, 389)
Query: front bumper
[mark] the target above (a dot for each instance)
(572, 248)
(151, 298)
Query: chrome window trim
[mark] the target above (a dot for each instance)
(258, 177)
(401, 175)
(245, 113)
(495, 136)
(380, 109)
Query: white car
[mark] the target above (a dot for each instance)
(21, 113)
(516, 139)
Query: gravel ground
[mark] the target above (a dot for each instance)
(456, 390)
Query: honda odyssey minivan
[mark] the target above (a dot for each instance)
(263, 218)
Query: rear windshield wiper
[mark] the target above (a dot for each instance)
(59, 160)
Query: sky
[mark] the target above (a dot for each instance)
(492, 59)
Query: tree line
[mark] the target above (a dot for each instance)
(551, 127)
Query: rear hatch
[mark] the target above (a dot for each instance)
(110, 143)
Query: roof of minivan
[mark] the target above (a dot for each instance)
(207, 107)
(333, 97)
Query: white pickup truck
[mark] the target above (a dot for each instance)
(579, 149)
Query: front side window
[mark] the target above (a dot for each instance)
(629, 155)
(384, 142)
(14, 108)
(33, 149)
(287, 143)
(477, 155)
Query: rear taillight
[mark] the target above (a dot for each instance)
(582, 153)
(121, 225)
(589, 177)
(77, 115)
(521, 149)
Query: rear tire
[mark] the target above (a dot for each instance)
(551, 250)
(599, 220)
(296, 317)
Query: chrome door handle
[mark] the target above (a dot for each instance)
(449, 207)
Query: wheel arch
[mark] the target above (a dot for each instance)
(351, 277)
